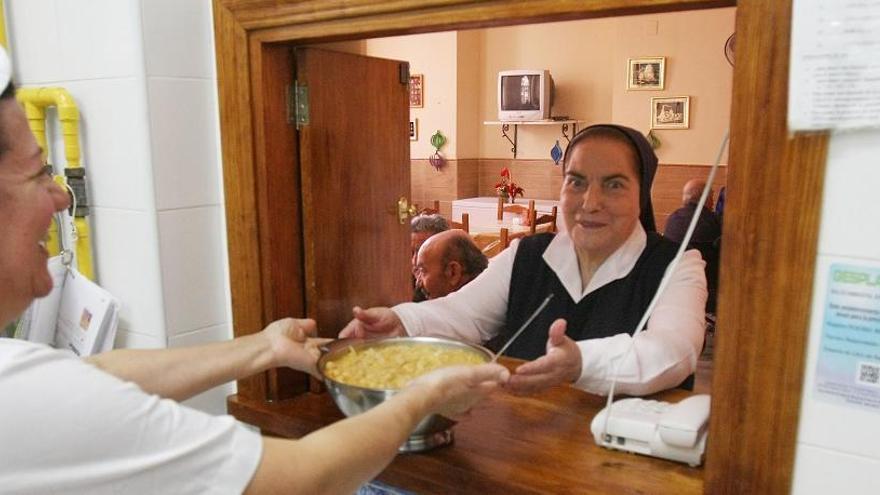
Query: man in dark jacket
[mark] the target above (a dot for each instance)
(708, 228)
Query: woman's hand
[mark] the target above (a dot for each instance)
(561, 364)
(373, 322)
(292, 345)
(454, 390)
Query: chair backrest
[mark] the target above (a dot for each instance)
(505, 237)
(536, 220)
(431, 210)
(525, 212)
(463, 225)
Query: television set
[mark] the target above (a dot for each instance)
(524, 95)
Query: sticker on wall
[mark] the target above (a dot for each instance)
(848, 367)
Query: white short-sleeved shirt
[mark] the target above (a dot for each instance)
(68, 427)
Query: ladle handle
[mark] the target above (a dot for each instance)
(524, 326)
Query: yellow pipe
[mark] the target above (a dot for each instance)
(35, 102)
(3, 26)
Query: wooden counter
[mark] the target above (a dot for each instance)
(508, 444)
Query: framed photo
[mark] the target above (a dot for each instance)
(670, 113)
(413, 129)
(416, 90)
(647, 73)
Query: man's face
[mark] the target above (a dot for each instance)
(431, 275)
(28, 199)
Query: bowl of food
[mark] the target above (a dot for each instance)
(360, 374)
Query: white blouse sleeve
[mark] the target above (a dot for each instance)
(663, 355)
(475, 313)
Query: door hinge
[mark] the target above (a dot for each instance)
(298, 104)
(403, 68)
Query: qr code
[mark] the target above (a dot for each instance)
(869, 373)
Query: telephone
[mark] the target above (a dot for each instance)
(660, 429)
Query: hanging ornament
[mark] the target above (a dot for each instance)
(556, 153)
(437, 141)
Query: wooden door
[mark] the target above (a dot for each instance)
(354, 163)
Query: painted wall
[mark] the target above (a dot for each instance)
(144, 77)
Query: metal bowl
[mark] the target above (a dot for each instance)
(432, 431)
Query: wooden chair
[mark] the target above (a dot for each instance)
(505, 238)
(430, 211)
(463, 225)
(535, 221)
(526, 213)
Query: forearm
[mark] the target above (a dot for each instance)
(180, 373)
(474, 313)
(343, 456)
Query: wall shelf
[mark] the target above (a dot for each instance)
(565, 126)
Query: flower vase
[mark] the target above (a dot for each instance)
(511, 199)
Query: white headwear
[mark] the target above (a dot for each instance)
(5, 69)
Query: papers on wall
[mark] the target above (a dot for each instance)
(77, 315)
(848, 368)
(834, 75)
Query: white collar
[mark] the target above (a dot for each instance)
(562, 259)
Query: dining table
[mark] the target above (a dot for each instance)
(507, 444)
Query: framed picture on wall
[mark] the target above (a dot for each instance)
(416, 90)
(670, 113)
(646, 73)
(413, 129)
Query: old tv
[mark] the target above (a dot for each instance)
(524, 94)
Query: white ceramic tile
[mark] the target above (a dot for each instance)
(114, 140)
(33, 40)
(100, 38)
(850, 212)
(133, 340)
(212, 401)
(126, 254)
(183, 123)
(195, 283)
(838, 427)
(178, 38)
(820, 472)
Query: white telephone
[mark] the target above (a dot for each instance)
(660, 429)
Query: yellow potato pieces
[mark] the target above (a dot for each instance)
(393, 366)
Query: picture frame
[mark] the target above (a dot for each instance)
(671, 112)
(416, 90)
(646, 74)
(413, 129)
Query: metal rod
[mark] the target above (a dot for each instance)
(524, 326)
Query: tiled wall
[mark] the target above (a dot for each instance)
(839, 446)
(142, 73)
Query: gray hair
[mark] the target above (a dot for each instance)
(429, 223)
(463, 250)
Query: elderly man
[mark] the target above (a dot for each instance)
(111, 424)
(707, 230)
(446, 262)
(421, 228)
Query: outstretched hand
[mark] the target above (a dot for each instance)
(561, 364)
(373, 322)
(292, 344)
(453, 391)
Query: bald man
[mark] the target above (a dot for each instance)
(708, 228)
(446, 262)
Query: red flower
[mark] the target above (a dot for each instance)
(507, 187)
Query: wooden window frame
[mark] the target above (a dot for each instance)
(771, 222)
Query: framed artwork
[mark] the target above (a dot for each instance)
(416, 90)
(670, 113)
(647, 73)
(413, 129)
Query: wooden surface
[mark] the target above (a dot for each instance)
(768, 256)
(354, 154)
(508, 445)
(771, 222)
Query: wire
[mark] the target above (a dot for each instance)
(664, 281)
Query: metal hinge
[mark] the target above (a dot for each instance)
(403, 70)
(298, 104)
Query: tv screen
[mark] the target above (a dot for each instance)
(521, 92)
